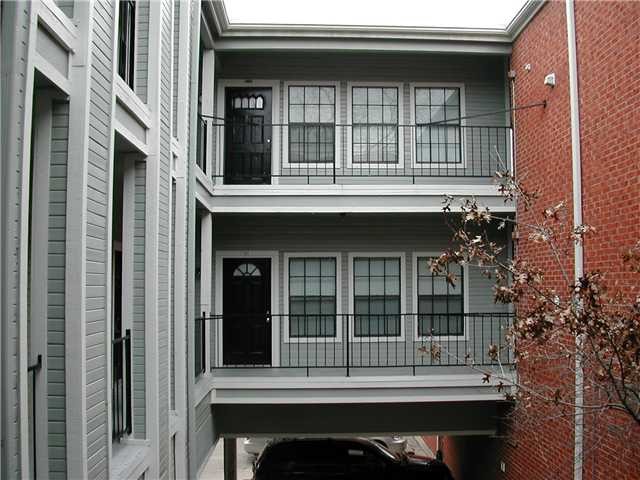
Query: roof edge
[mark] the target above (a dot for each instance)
(224, 28)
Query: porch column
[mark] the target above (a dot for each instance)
(230, 459)
(206, 267)
(207, 106)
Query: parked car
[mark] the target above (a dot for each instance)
(255, 445)
(342, 459)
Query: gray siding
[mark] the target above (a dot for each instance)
(142, 49)
(380, 233)
(99, 161)
(205, 432)
(139, 334)
(56, 393)
(164, 230)
(174, 65)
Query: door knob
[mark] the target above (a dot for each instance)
(268, 140)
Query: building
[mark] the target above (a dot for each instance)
(216, 230)
(607, 153)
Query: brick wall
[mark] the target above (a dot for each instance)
(608, 37)
(609, 82)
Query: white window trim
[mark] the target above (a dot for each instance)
(285, 121)
(275, 119)
(351, 289)
(465, 301)
(285, 284)
(275, 307)
(401, 134)
(463, 109)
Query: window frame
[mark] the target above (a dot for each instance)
(414, 132)
(465, 301)
(403, 282)
(131, 49)
(285, 130)
(400, 164)
(285, 284)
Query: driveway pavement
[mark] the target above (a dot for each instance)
(214, 469)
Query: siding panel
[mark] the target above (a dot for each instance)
(56, 400)
(100, 107)
(138, 323)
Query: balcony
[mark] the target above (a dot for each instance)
(281, 167)
(357, 345)
(321, 154)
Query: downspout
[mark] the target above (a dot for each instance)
(577, 220)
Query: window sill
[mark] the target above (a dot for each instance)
(130, 459)
(131, 102)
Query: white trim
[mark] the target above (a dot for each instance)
(403, 296)
(275, 118)
(130, 137)
(274, 256)
(412, 121)
(465, 301)
(285, 120)
(388, 389)
(377, 190)
(130, 101)
(285, 288)
(399, 165)
(57, 77)
(467, 379)
(56, 22)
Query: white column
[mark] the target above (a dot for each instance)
(208, 82)
(206, 283)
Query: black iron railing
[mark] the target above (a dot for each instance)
(201, 154)
(33, 369)
(348, 341)
(352, 153)
(200, 345)
(121, 399)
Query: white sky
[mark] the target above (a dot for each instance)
(401, 13)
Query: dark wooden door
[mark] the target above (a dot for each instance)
(248, 136)
(246, 311)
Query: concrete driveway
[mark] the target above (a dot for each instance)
(214, 469)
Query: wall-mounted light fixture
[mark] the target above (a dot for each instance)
(550, 80)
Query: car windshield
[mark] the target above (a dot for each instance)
(385, 451)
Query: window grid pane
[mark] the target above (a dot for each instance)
(376, 297)
(312, 297)
(312, 124)
(440, 305)
(375, 125)
(441, 142)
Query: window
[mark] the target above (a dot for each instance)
(312, 113)
(440, 304)
(126, 36)
(312, 297)
(375, 125)
(438, 133)
(376, 285)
